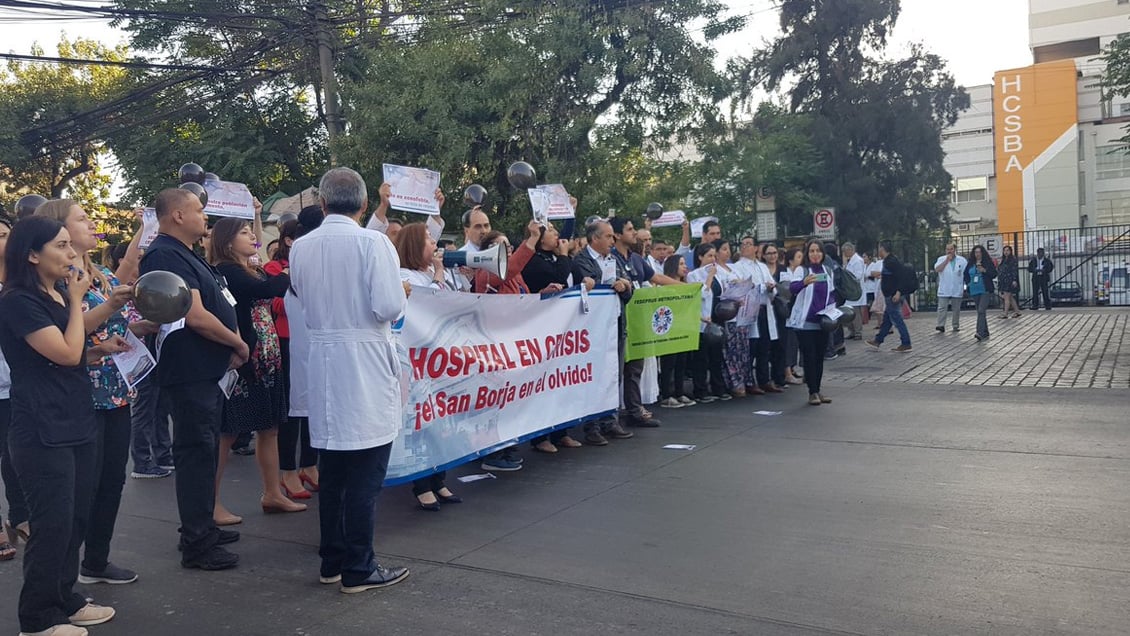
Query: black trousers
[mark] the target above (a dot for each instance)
(58, 484)
(17, 505)
(112, 451)
(431, 483)
(1040, 286)
(813, 344)
(708, 361)
(673, 374)
(196, 409)
(768, 354)
(347, 508)
(152, 445)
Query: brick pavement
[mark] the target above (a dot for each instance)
(1065, 347)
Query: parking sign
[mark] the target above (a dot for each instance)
(824, 223)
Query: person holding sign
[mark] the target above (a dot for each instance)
(110, 389)
(380, 222)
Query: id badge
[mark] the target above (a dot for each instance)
(228, 296)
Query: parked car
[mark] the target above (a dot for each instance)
(1066, 292)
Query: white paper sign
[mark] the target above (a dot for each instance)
(136, 363)
(227, 383)
(149, 228)
(671, 218)
(551, 202)
(831, 311)
(164, 332)
(696, 225)
(412, 189)
(227, 198)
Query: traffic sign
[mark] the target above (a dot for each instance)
(824, 223)
(765, 202)
(994, 245)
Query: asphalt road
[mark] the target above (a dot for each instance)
(900, 508)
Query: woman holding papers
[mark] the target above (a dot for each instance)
(109, 319)
(793, 259)
(813, 293)
(258, 400)
(421, 265)
(707, 361)
(738, 364)
(767, 337)
(673, 366)
(54, 431)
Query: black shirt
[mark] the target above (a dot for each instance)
(247, 289)
(187, 356)
(51, 404)
(545, 268)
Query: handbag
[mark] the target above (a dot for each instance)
(846, 285)
(781, 308)
(905, 309)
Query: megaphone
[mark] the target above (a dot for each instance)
(492, 259)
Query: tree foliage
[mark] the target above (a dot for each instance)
(34, 94)
(876, 122)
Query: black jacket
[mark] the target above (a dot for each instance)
(584, 265)
(892, 275)
(545, 268)
(1048, 267)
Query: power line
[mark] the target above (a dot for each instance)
(146, 65)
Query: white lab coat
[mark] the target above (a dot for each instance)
(951, 280)
(348, 279)
(299, 353)
(760, 275)
(858, 268)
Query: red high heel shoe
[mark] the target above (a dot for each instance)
(310, 484)
(298, 494)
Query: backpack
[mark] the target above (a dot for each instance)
(846, 285)
(908, 280)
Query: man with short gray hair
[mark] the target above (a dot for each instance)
(347, 280)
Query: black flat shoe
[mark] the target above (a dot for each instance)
(430, 507)
(453, 499)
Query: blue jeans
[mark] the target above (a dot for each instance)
(349, 482)
(151, 444)
(892, 315)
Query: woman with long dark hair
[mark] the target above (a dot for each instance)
(1008, 282)
(770, 336)
(54, 431)
(673, 366)
(707, 366)
(813, 293)
(794, 257)
(15, 526)
(979, 275)
(294, 432)
(258, 401)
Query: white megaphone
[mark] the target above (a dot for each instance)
(492, 259)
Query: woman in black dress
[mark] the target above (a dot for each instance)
(1008, 281)
(258, 401)
(53, 429)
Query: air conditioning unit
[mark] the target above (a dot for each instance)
(964, 227)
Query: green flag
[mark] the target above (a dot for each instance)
(663, 320)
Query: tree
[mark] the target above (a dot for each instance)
(538, 86)
(1116, 75)
(35, 94)
(876, 122)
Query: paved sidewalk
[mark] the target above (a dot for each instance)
(1068, 347)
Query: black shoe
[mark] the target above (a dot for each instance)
(381, 577)
(940, 329)
(216, 558)
(453, 499)
(223, 538)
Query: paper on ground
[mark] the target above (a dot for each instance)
(470, 478)
(767, 412)
(688, 447)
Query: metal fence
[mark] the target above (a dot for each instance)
(1094, 261)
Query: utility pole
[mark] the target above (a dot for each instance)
(334, 120)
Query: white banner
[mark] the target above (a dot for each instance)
(550, 202)
(412, 189)
(671, 218)
(475, 379)
(227, 198)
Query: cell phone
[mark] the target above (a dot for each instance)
(820, 278)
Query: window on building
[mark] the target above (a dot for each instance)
(1112, 162)
(970, 189)
(1066, 50)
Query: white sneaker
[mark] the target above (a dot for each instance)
(59, 630)
(671, 403)
(92, 614)
(686, 401)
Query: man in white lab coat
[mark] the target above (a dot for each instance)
(853, 263)
(348, 281)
